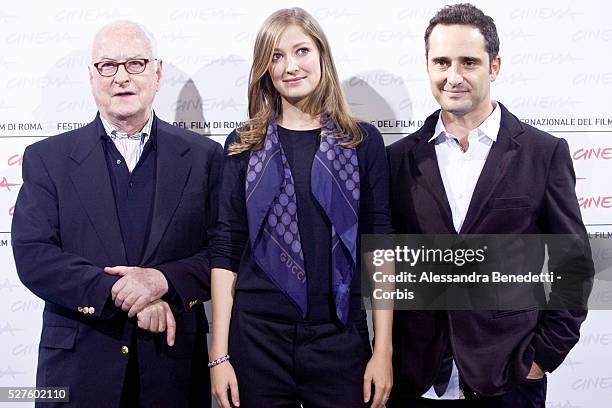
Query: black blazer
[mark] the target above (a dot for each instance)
(66, 230)
(527, 186)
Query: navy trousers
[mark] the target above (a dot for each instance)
(285, 364)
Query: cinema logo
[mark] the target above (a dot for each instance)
(594, 153)
(173, 36)
(7, 328)
(39, 38)
(4, 62)
(593, 35)
(593, 383)
(546, 102)
(7, 18)
(376, 79)
(84, 105)
(87, 15)
(33, 305)
(42, 82)
(602, 202)
(14, 160)
(9, 372)
(8, 285)
(383, 36)
(599, 78)
(207, 105)
(204, 14)
(544, 13)
(247, 37)
(324, 13)
(25, 350)
(417, 13)
(73, 61)
(596, 339)
(544, 58)
(516, 35)
(411, 59)
(516, 79)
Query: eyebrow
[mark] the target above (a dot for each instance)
(462, 59)
(296, 45)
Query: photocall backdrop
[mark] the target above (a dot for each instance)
(555, 75)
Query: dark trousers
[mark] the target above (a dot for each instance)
(528, 394)
(135, 395)
(285, 364)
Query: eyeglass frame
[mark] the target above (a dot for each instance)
(118, 64)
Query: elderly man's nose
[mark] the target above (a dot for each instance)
(122, 75)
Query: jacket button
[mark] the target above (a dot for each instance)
(91, 310)
(80, 309)
(125, 349)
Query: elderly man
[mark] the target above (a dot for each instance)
(474, 168)
(111, 229)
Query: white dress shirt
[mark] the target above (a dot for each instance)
(460, 171)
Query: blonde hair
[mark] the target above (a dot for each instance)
(264, 99)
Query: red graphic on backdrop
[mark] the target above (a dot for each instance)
(11, 211)
(15, 160)
(595, 202)
(7, 185)
(598, 153)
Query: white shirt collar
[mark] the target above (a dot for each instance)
(489, 128)
(144, 132)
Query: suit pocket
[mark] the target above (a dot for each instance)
(508, 203)
(506, 313)
(58, 337)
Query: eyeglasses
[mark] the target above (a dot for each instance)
(133, 66)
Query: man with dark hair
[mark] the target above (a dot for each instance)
(111, 230)
(474, 168)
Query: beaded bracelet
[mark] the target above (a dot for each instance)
(218, 361)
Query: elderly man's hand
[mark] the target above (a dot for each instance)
(137, 288)
(157, 318)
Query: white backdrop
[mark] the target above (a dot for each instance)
(556, 75)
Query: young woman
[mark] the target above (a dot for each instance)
(301, 180)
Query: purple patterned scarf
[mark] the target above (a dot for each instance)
(273, 219)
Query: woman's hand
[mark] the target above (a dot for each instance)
(222, 380)
(379, 372)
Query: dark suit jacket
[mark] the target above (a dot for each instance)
(66, 230)
(526, 187)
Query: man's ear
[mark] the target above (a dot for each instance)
(158, 72)
(495, 67)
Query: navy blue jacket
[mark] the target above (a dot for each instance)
(66, 230)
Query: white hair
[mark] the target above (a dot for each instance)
(131, 25)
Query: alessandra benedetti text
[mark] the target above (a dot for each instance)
(492, 277)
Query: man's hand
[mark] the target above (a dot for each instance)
(157, 318)
(536, 372)
(137, 288)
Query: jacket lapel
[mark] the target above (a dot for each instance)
(93, 186)
(173, 170)
(428, 172)
(498, 161)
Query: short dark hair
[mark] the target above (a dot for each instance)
(466, 14)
